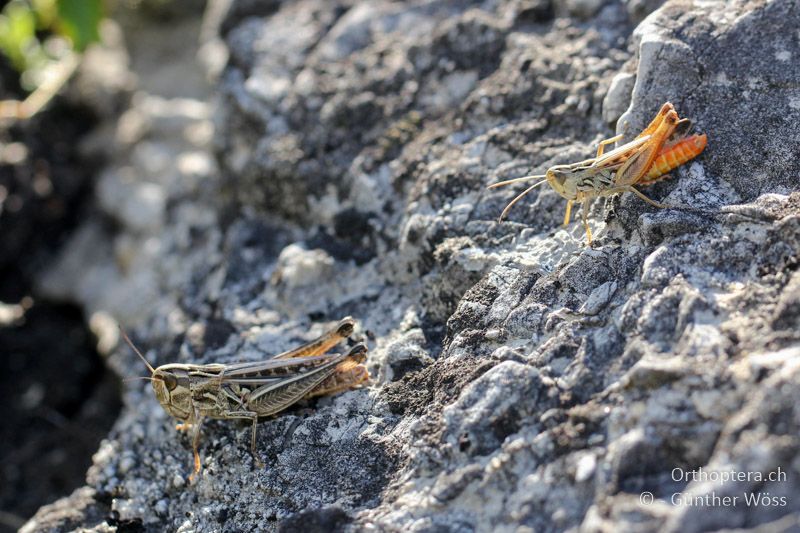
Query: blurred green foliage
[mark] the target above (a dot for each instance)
(34, 33)
(79, 20)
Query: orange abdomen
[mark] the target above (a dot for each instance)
(674, 155)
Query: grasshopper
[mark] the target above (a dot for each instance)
(646, 159)
(248, 391)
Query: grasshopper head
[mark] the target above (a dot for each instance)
(171, 387)
(559, 176)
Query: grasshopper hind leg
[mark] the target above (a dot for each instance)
(347, 375)
(340, 381)
(323, 343)
(640, 194)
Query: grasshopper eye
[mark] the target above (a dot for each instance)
(556, 177)
(170, 381)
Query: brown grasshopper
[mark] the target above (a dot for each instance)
(644, 160)
(248, 391)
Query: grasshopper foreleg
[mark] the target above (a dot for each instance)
(568, 214)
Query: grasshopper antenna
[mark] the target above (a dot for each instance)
(517, 180)
(125, 336)
(519, 196)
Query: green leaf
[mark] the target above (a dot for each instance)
(17, 31)
(79, 20)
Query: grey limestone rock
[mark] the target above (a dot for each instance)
(521, 381)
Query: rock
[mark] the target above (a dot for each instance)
(584, 8)
(618, 97)
(522, 380)
(719, 92)
(298, 267)
(84, 508)
(138, 205)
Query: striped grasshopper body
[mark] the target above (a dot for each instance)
(191, 393)
(644, 160)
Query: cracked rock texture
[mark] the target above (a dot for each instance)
(521, 381)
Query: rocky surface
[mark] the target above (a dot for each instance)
(521, 379)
